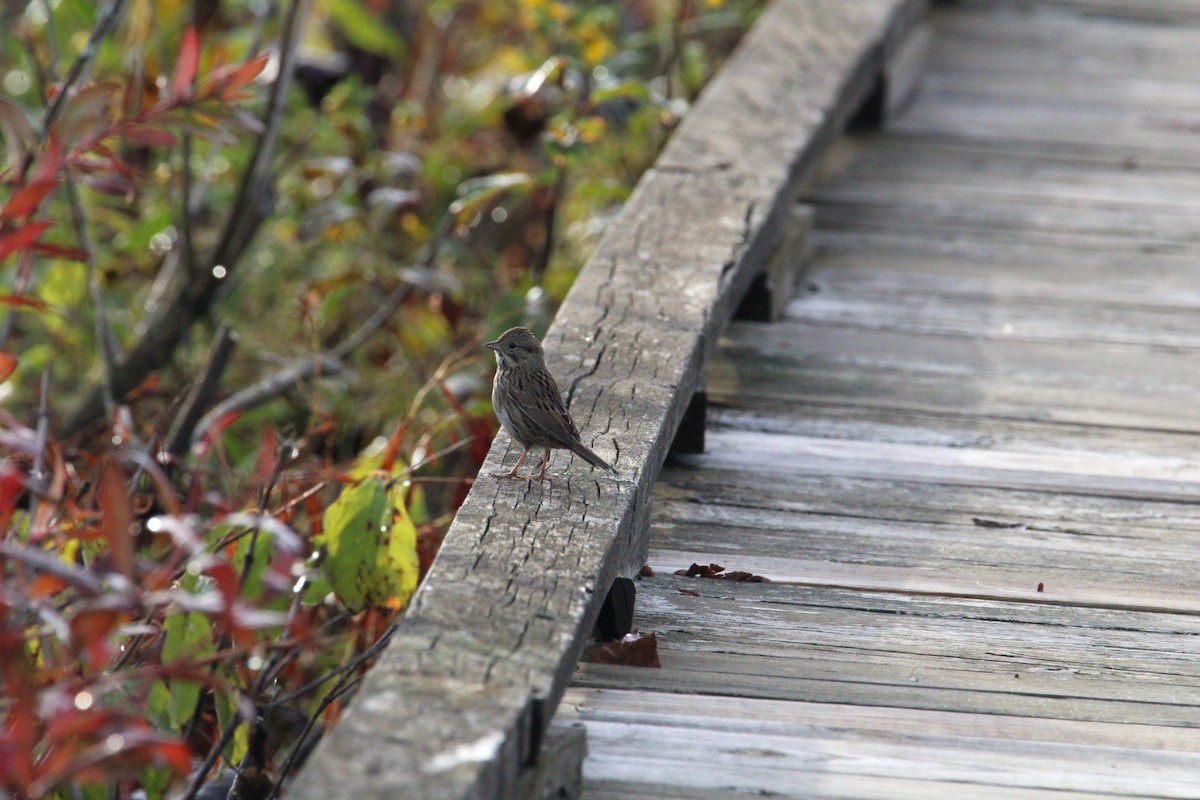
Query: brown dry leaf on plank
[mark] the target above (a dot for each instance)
(632, 650)
(718, 572)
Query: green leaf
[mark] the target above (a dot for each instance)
(227, 709)
(158, 701)
(156, 781)
(263, 545)
(365, 30)
(370, 546)
(187, 637)
(475, 194)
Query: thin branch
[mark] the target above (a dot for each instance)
(82, 62)
(214, 753)
(344, 683)
(170, 322)
(323, 364)
(20, 284)
(180, 437)
(102, 332)
(38, 486)
(185, 221)
(271, 386)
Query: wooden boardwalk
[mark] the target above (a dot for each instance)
(967, 458)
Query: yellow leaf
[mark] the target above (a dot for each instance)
(370, 546)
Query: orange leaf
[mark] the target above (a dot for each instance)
(17, 301)
(8, 363)
(89, 633)
(45, 585)
(187, 64)
(22, 237)
(227, 84)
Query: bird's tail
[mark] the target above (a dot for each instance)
(581, 450)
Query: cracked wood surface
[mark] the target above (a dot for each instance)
(966, 456)
(458, 702)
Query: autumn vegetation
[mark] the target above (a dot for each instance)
(248, 252)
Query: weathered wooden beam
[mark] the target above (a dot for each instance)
(458, 703)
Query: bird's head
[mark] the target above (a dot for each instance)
(516, 346)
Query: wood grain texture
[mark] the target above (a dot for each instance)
(457, 705)
(965, 457)
(836, 750)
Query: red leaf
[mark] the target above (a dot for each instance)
(115, 185)
(187, 64)
(16, 301)
(12, 489)
(89, 634)
(214, 432)
(21, 238)
(25, 201)
(50, 162)
(60, 251)
(148, 137)
(116, 517)
(173, 754)
(227, 84)
(8, 363)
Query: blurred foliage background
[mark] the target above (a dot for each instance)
(249, 250)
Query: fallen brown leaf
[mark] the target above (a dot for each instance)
(633, 650)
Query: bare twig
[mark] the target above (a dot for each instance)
(180, 437)
(171, 321)
(20, 284)
(38, 486)
(343, 684)
(214, 753)
(393, 300)
(323, 364)
(104, 24)
(185, 220)
(104, 340)
(271, 386)
(548, 220)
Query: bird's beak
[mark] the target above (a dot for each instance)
(493, 345)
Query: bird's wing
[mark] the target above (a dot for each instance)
(540, 402)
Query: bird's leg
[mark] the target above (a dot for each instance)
(516, 466)
(545, 462)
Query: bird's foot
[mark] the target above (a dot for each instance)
(519, 477)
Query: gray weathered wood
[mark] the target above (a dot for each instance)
(558, 773)
(457, 704)
(966, 456)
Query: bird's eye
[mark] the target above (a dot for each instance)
(512, 345)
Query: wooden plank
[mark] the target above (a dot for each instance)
(987, 383)
(893, 650)
(1170, 11)
(857, 787)
(804, 749)
(886, 170)
(1167, 11)
(957, 542)
(775, 454)
(1016, 269)
(458, 703)
(1134, 138)
(751, 714)
(1117, 385)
